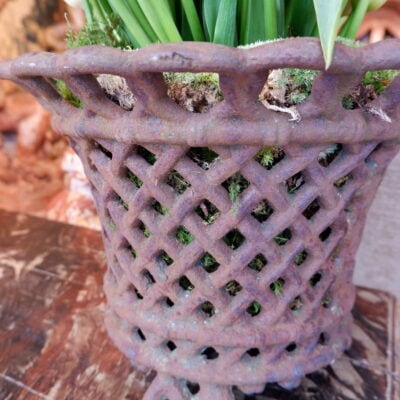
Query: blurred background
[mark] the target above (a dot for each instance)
(40, 174)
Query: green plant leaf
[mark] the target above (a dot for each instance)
(193, 20)
(210, 13)
(88, 11)
(300, 18)
(225, 25)
(270, 19)
(134, 29)
(280, 18)
(252, 27)
(328, 16)
(350, 27)
(159, 15)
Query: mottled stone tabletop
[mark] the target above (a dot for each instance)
(53, 344)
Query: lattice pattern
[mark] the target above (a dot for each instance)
(213, 288)
(168, 284)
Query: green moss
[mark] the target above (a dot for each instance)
(266, 156)
(112, 225)
(177, 182)
(108, 34)
(124, 203)
(195, 80)
(66, 93)
(134, 179)
(283, 237)
(254, 308)
(300, 83)
(301, 257)
(160, 208)
(235, 185)
(184, 236)
(185, 283)
(277, 286)
(233, 287)
(166, 258)
(209, 263)
(145, 230)
(380, 79)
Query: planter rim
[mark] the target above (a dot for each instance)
(240, 117)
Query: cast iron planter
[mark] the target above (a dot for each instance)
(167, 310)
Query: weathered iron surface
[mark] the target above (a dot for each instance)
(200, 331)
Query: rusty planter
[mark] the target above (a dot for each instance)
(257, 310)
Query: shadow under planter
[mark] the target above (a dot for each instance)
(203, 287)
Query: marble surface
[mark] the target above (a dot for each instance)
(53, 344)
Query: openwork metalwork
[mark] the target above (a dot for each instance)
(260, 290)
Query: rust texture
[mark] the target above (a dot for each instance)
(220, 321)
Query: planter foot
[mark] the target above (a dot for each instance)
(166, 387)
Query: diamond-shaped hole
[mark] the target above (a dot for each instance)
(202, 91)
(269, 156)
(207, 308)
(291, 347)
(157, 206)
(253, 352)
(141, 335)
(193, 387)
(325, 234)
(210, 353)
(294, 183)
(258, 263)
(301, 257)
(144, 230)
(284, 237)
(105, 151)
(296, 304)
(235, 185)
(326, 301)
(315, 279)
(133, 290)
(149, 277)
(171, 345)
(312, 209)
(111, 224)
(262, 211)
(207, 211)
(277, 286)
(147, 155)
(234, 239)
(323, 339)
(164, 257)
(185, 283)
(254, 308)
(132, 251)
(202, 156)
(184, 236)
(327, 156)
(233, 287)
(134, 179)
(123, 203)
(169, 302)
(177, 182)
(344, 180)
(209, 263)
